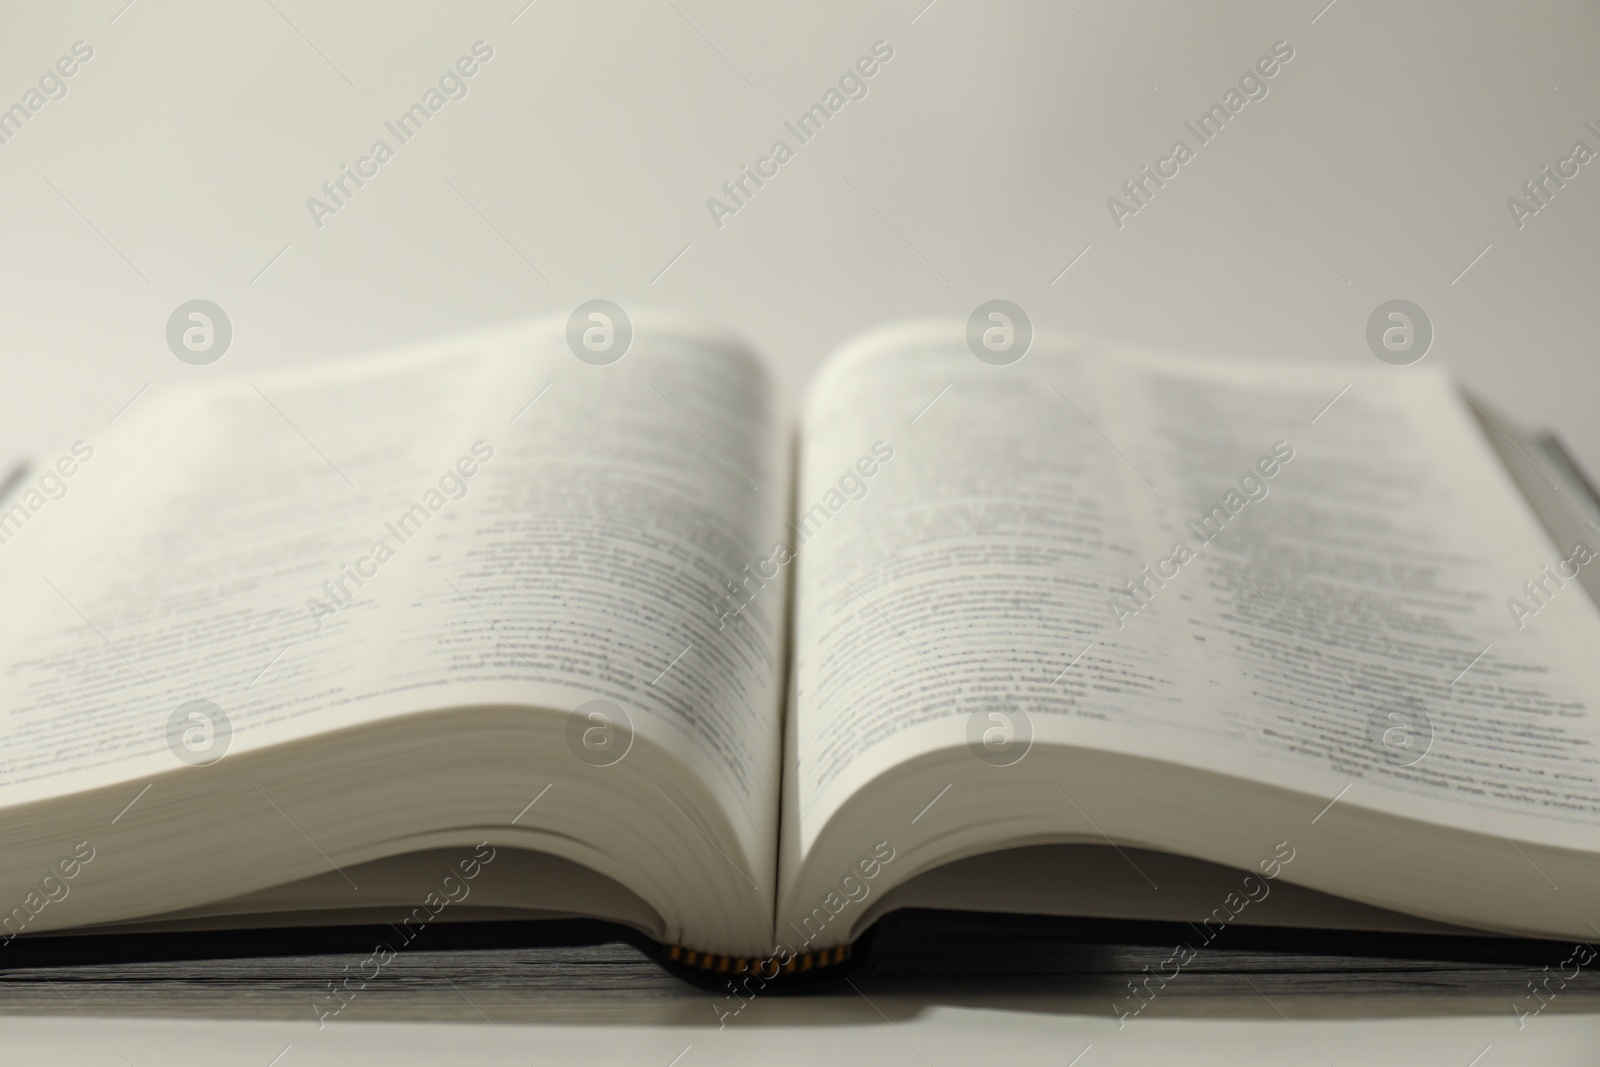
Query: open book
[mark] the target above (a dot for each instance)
(482, 630)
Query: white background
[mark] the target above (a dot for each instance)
(984, 152)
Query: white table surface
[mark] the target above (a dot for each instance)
(1378, 166)
(937, 1036)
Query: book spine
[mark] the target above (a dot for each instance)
(764, 967)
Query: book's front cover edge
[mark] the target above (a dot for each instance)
(923, 942)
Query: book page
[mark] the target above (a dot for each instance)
(1388, 615)
(178, 564)
(971, 565)
(611, 553)
(1235, 567)
(483, 522)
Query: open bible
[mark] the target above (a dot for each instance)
(484, 631)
